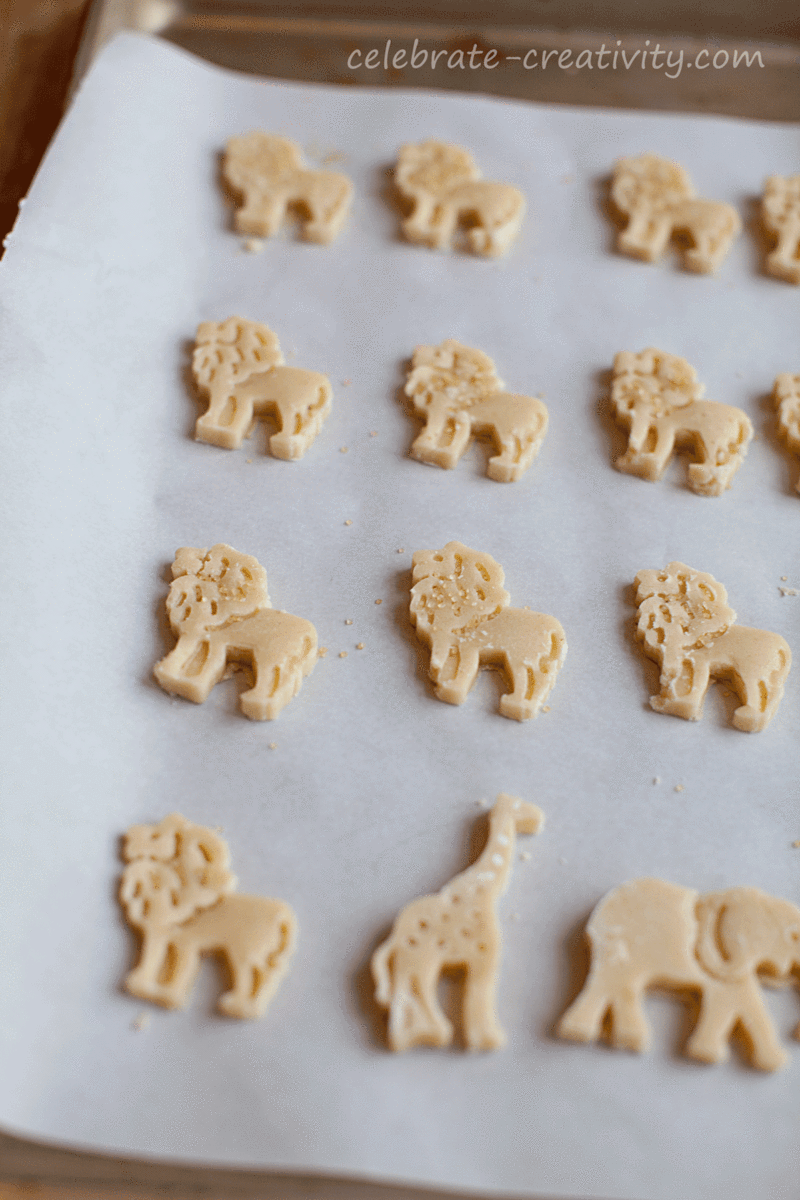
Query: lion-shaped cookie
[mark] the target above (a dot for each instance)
(444, 185)
(458, 392)
(659, 200)
(238, 367)
(686, 625)
(266, 173)
(780, 213)
(656, 396)
(220, 611)
(175, 891)
(786, 394)
(460, 609)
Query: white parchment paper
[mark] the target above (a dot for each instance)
(371, 795)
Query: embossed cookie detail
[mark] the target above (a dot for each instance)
(267, 173)
(460, 609)
(786, 394)
(220, 611)
(445, 187)
(175, 891)
(780, 212)
(458, 392)
(656, 396)
(659, 199)
(649, 933)
(456, 927)
(238, 366)
(687, 626)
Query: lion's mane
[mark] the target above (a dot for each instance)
(214, 587)
(174, 869)
(458, 374)
(257, 158)
(455, 589)
(653, 380)
(649, 179)
(680, 610)
(434, 167)
(233, 350)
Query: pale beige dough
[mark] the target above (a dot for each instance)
(456, 928)
(780, 212)
(687, 626)
(444, 185)
(220, 611)
(457, 390)
(659, 199)
(786, 394)
(657, 398)
(239, 369)
(460, 609)
(649, 933)
(267, 174)
(175, 891)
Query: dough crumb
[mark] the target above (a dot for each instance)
(348, 621)
(140, 1022)
(525, 855)
(678, 787)
(253, 245)
(545, 708)
(373, 433)
(273, 745)
(359, 645)
(343, 449)
(656, 779)
(379, 602)
(784, 578)
(342, 654)
(796, 844)
(346, 382)
(323, 650)
(786, 591)
(348, 522)
(401, 549)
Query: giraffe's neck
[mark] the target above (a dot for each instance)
(490, 872)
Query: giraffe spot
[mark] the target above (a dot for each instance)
(482, 946)
(411, 941)
(423, 924)
(467, 933)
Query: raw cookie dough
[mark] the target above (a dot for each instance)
(649, 933)
(175, 891)
(786, 394)
(657, 398)
(444, 185)
(459, 607)
(457, 927)
(457, 391)
(238, 367)
(219, 608)
(659, 199)
(687, 626)
(780, 213)
(266, 173)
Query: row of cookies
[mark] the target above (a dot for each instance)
(240, 372)
(178, 893)
(442, 185)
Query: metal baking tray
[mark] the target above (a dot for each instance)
(691, 50)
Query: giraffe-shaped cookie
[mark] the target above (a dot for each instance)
(457, 927)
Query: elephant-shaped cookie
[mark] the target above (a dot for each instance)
(220, 610)
(444, 186)
(175, 890)
(650, 933)
(780, 212)
(659, 200)
(657, 397)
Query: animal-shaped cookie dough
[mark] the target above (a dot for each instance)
(266, 172)
(175, 891)
(659, 200)
(656, 397)
(457, 927)
(460, 609)
(445, 187)
(458, 392)
(220, 611)
(649, 933)
(687, 626)
(238, 367)
(780, 212)
(787, 400)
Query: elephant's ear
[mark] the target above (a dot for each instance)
(727, 934)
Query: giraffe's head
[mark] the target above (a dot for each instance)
(527, 817)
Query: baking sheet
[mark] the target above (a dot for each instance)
(373, 791)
